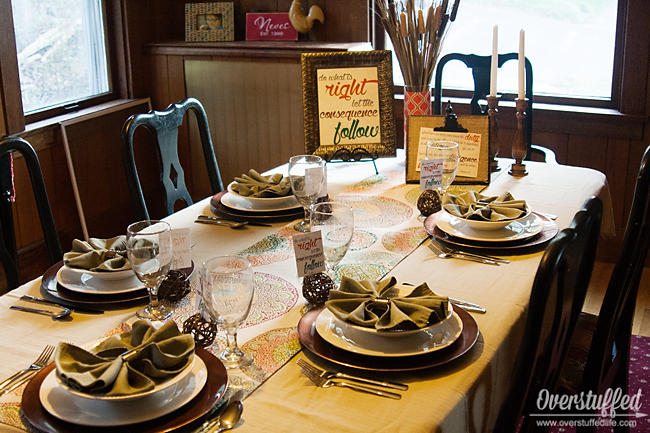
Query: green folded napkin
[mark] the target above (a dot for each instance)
(376, 304)
(475, 206)
(160, 355)
(100, 255)
(256, 185)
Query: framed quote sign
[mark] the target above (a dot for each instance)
(472, 133)
(348, 104)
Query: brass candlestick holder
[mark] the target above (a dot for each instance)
(519, 146)
(493, 103)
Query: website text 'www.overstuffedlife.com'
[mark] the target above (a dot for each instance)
(610, 409)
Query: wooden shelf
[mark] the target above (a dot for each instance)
(276, 49)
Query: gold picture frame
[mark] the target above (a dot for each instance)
(479, 159)
(209, 22)
(354, 113)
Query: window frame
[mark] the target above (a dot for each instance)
(618, 84)
(15, 119)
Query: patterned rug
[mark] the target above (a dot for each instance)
(639, 379)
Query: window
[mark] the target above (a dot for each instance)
(570, 44)
(62, 55)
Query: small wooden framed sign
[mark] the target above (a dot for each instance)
(348, 103)
(472, 133)
(209, 22)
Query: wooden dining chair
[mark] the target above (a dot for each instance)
(599, 356)
(164, 127)
(8, 248)
(556, 299)
(481, 66)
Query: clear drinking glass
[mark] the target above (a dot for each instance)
(149, 247)
(335, 220)
(227, 289)
(447, 151)
(307, 176)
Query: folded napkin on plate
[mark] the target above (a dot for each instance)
(256, 185)
(161, 354)
(98, 255)
(357, 302)
(472, 205)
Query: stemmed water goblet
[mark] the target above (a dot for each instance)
(447, 151)
(335, 221)
(227, 287)
(307, 176)
(149, 248)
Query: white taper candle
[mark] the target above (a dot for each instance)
(495, 61)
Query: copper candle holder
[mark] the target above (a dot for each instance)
(493, 103)
(519, 146)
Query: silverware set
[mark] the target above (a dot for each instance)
(226, 417)
(26, 374)
(326, 379)
(445, 252)
(206, 219)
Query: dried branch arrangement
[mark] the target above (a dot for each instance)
(417, 33)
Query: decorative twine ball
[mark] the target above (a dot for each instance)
(316, 288)
(175, 286)
(202, 331)
(429, 202)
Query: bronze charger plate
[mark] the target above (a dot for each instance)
(212, 392)
(548, 232)
(313, 342)
(54, 291)
(220, 209)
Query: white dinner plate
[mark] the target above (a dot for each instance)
(168, 383)
(266, 203)
(516, 230)
(103, 413)
(86, 283)
(338, 333)
(240, 203)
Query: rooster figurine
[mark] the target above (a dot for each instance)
(303, 23)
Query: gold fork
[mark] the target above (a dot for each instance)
(326, 383)
(27, 373)
(337, 375)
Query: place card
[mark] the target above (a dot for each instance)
(310, 255)
(182, 246)
(431, 173)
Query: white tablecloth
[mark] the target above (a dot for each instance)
(462, 396)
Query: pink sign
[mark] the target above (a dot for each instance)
(269, 27)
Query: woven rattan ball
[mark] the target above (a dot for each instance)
(202, 331)
(316, 288)
(175, 286)
(429, 202)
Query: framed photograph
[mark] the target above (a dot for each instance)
(472, 134)
(348, 104)
(209, 22)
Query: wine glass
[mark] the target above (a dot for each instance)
(335, 221)
(447, 151)
(227, 289)
(307, 176)
(149, 248)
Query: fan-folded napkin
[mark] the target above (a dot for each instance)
(160, 354)
(256, 185)
(364, 303)
(98, 254)
(475, 206)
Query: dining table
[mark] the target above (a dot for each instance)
(458, 392)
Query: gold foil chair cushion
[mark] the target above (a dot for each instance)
(376, 304)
